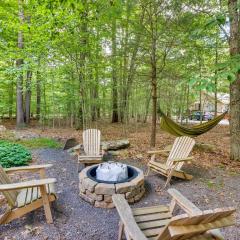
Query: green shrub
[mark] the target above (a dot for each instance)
(12, 154)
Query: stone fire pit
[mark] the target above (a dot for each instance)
(99, 193)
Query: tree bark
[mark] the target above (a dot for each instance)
(38, 92)
(234, 44)
(19, 64)
(10, 99)
(154, 92)
(215, 79)
(82, 65)
(114, 74)
(28, 97)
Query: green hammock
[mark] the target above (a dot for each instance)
(175, 129)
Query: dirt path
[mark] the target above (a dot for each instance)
(76, 219)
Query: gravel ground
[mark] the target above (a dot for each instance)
(76, 219)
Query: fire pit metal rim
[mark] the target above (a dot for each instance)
(133, 171)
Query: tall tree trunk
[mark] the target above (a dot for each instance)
(38, 92)
(187, 103)
(28, 97)
(114, 74)
(147, 108)
(123, 105)
(200, 91)
(215, 79)
(234, 43)
(154, 92)
(82, 66)
(19, 64)
(10, 99)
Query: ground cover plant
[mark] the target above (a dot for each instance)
(13, 154)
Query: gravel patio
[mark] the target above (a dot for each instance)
(76, 219)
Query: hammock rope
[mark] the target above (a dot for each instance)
(167, 124)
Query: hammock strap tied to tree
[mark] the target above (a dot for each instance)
(175, 129)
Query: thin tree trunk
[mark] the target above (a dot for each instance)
(28, 97)
(38, 92)
(200, 105)
(82, 67)
(19, 64)
(234, 43)
(200, 92)
(188, 112)
(10, 99)
(154, 92)
(215, 79)
(114, 74)
(147, 108)
(44, 116)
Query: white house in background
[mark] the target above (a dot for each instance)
(208, 103)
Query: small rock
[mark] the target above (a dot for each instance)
(103, 204)
(206, 147)
(105, 189)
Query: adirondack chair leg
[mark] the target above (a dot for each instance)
(147, 172)
(127, 236)
(4, 217)
(46, 204)
(120, 231)
(169, 177)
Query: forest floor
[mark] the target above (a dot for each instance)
(215, 184)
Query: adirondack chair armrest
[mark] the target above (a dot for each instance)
(158, 151)
(32, 168)
(183, 202)
(182, 159)
(127, 218)
(27, 184)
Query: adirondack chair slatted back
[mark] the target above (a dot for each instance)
(91, 142)
(188, 227)
(11, 196)
(181, 148)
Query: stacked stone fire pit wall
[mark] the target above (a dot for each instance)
(100, 194)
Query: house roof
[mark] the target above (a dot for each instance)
(221, 97)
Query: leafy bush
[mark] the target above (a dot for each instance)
(12, 154)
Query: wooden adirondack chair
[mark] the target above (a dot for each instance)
(24, 197)
(178, 155)
(91, 146)
(158, 222)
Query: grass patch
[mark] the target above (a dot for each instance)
(40, 143)
(215, 185)
(211, 184)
